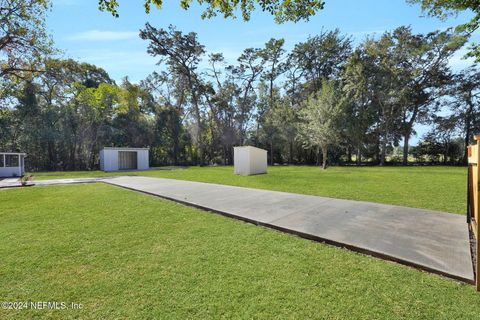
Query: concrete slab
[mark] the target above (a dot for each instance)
(15, 182)
(67, 181)
(434, 241)
(10, 182)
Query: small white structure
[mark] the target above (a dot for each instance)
(116, 159)
(12, 164)
(249, 160)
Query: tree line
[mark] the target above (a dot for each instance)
(324, 100)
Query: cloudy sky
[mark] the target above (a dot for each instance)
(82, 32)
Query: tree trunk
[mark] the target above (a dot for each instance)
(318, 156)
(290, 154)
(175, 151)
(383, 153)
(359, 156)
(445, 153)
(377, 152)
(51, 156)
(198, 119)
(325, 155)
(73, 156)
(406, 139)
(271, 153)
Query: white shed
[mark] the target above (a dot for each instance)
(249, 160)
(116, 159)
(12, 164)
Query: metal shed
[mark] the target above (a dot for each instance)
(117, 159)
(249, 160)
(12, 164)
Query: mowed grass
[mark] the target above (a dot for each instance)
(125, 255)
(436, 188)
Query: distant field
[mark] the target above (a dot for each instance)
(436, 188)
(126, 255)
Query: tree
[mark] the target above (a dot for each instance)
(269, 119)
(320, 57)
(223, 99)
(182, 54)
(360, 109)
(169, 98)
(445, 8)
(132, 124)
(58, 119)
(420, 63)
(97, 108)
(23, 37)
(247, 72)
(319, 119)
(282, 10)
(465, 104)
(372, 84)
(443, 132)
(272, 54)
(59, 84)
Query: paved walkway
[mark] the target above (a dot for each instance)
(67, 181)
(15, 182)
(434, 241)
(10, 182)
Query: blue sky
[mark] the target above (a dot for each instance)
(84, 33)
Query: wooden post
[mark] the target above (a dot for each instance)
(474, 199)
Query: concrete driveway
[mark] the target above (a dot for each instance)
(434, 241)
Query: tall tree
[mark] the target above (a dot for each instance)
(272, 54)
(374, 89)
(247, 72)
(223, 98)
(360, 108)
(319, 119)
(182, 54)
(269, 119)
(169, 98)
(420, 63)
(465, 104)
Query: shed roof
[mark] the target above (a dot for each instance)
(14, 153)
(249, 147)
(124, 148)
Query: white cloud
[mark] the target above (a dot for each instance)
(137, 64)
(98, 35)
(458, 62)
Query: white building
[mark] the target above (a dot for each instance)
(116, 159)
(12, 164)
(249, 160)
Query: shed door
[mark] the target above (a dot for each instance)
(127, 160)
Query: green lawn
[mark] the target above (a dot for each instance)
(126, 255)
(436, 188)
